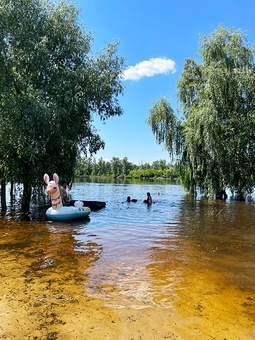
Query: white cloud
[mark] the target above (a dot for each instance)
(149, 68)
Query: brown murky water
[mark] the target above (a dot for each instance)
(181, 269)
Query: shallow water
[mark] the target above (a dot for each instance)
(193, 257)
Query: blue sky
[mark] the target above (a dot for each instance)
(156, 36)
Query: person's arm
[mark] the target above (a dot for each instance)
(63, 194)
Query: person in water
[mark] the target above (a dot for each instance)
(131, 200)
(223, 194)
(63, 192)
(149, 199)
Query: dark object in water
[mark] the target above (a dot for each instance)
(93, 205)
(131, 200)
(222, 195)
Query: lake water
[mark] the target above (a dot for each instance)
(195, 257)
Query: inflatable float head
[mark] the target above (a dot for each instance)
(78, 204)
(53, 190)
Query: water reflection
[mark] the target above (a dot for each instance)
(223, 234)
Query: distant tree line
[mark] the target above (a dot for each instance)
(123, 168)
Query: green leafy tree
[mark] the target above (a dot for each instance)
(94, 167)
(80, 168)
(217, 134)
(126, 166)
(101, 167)
(51, 86)
(88, 168)
(217, 97)
(108, 168)
(159, 165)
(165, 126)
(145, 166)
(116, 166)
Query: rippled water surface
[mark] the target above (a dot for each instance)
(196, 256)
(142, 250)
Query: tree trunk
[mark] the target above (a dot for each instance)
(12, 193)
(25, 203)
(3, 196)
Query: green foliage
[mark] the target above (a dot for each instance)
(219, 128)
(165, 126)
(51, 86)
(123, 168)
(217, 134)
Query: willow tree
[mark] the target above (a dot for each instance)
(166, 127)
(51, 88)
(217, 97)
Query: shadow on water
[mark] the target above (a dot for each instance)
(224, 235)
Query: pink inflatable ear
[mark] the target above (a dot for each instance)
(55, 177)
(46, 178)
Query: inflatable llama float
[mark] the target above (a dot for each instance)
(57, 211)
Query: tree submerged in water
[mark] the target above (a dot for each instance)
(51, 86)
(214, 142)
